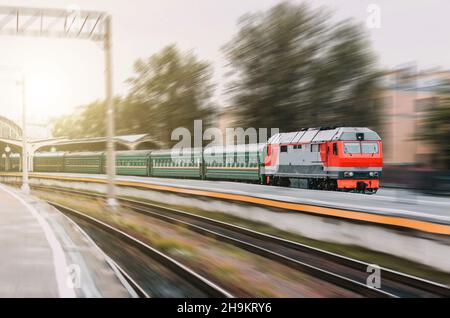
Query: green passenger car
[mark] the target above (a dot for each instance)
(234, 163)
(133, 163)
(15, 162)
(241, 162)
(12, 164)
(48, 162)
(84, 162)
(176, 163)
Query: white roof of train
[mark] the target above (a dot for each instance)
(234, 148)
(318, 135)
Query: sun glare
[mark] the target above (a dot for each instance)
(43, 90)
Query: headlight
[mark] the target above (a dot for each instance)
(373, 174)
(348, 174)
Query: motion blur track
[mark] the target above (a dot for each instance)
(186, 283)
(339, 270)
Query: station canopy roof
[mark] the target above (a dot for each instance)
(125, 142)
(131, 138)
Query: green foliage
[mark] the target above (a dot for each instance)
(87, 121)
(293, 68)
(170, 89)
(436, 126)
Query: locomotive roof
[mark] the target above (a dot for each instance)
(318, 135)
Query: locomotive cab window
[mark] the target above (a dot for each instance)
(335, 149)
(315, 148)
(284, 149)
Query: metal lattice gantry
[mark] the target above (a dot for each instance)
(67, 24)
(56, 23)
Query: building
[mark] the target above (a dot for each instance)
(9, 129)
(10, 136)
(408, 95)
(11, 142)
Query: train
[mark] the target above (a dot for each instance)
(326, 158)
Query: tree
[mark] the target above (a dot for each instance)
(87, 121)
(293, 68)
(436, 125)
(171, 89)
(66, 126)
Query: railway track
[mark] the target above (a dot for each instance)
(121, 247)
(342, 271)
(137, 289)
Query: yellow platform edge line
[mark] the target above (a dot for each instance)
(424, 226)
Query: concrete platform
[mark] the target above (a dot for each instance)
(397, 223)
(388, 202)
(44, 254)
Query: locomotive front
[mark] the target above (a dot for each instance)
(355, 159)
(335, 158)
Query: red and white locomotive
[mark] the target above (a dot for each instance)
(343, 158)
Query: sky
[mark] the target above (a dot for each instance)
(63, 74)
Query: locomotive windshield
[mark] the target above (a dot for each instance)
(352, 147)
(360, 147)
(369, 147)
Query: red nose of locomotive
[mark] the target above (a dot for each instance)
(357, 163)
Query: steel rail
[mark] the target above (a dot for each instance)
(202, 283)
(392, 284)
(315, 271)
